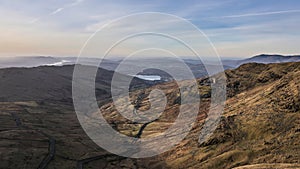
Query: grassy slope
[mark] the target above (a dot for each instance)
(260, 124)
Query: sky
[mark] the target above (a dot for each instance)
(236, 28)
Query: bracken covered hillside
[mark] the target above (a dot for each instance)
(260, 124)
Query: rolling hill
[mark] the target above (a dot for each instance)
(53, 83)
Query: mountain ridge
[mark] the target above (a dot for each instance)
(263, 58)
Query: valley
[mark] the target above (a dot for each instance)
(259, 127)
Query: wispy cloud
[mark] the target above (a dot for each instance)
(260, 14)
(58, 10)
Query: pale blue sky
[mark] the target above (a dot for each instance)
(237, 28)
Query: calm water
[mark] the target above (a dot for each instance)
(148, 77)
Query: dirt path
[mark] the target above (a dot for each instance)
(52, 141)
(50, 156)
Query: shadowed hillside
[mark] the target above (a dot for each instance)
(53, 83)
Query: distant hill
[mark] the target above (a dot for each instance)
(35, 61)
(196, 66)
(28, 61)
(263, 58)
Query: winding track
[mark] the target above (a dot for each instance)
(50, 156)
(52, 141)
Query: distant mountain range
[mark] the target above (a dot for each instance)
(263, 58)
(196, 66)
